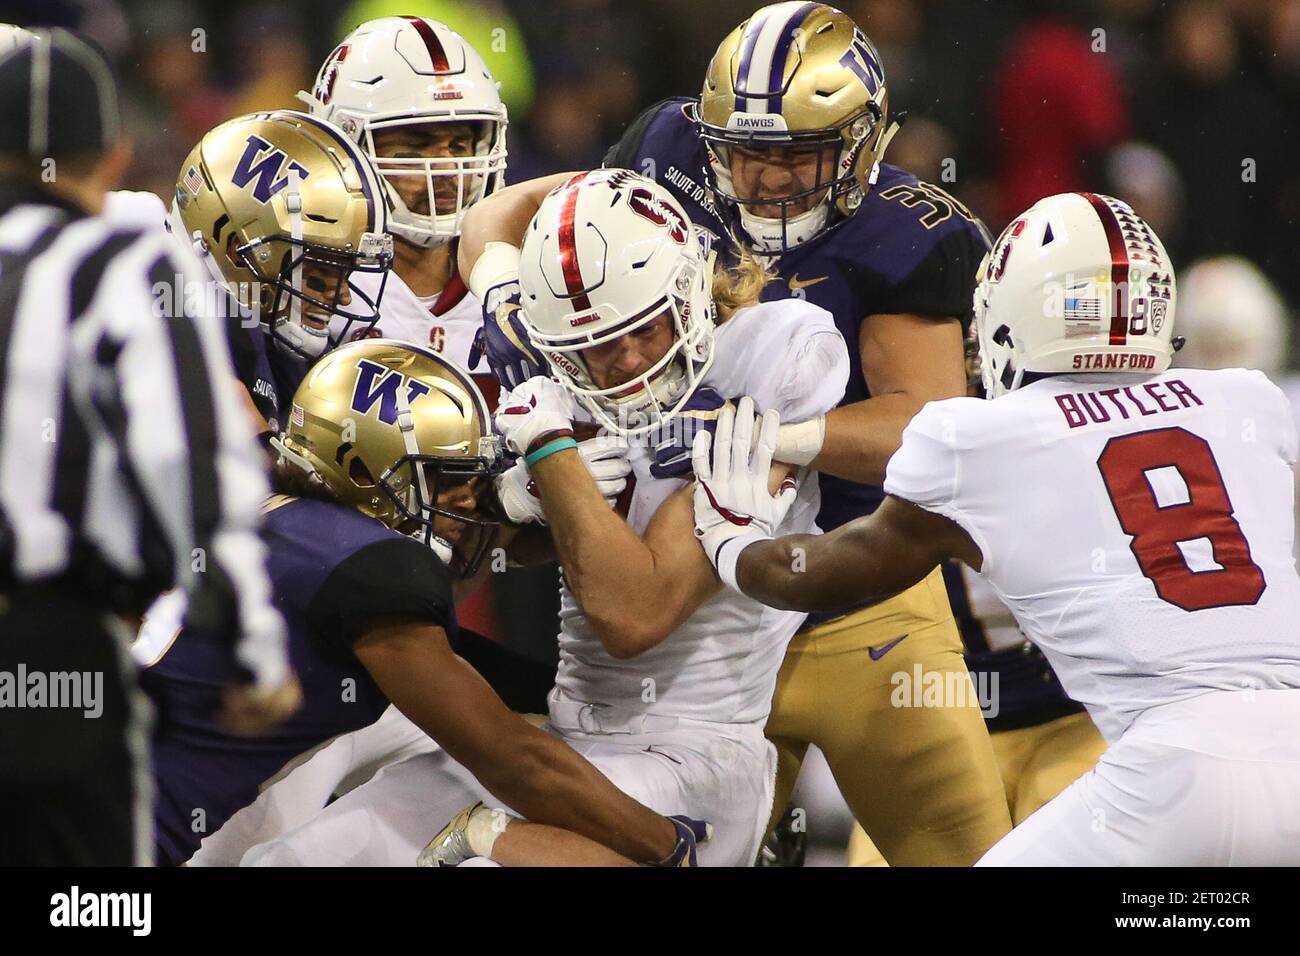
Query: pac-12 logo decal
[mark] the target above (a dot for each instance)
(330, 73)
(262, 170)
(378, 384)
(648, 206)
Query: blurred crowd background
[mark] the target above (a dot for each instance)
(1186, 108)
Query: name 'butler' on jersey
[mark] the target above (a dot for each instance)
(1147, 547)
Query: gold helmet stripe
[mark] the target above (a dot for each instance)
(763, 53)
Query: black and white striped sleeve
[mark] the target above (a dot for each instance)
(156, 349)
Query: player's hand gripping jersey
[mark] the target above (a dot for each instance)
(721, 664)
(909, 248)
(797, 94)
(1156, 568)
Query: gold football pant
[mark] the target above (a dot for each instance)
(922, 780)
(1036, 764)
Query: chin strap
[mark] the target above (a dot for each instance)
(406, 425)
(890, 132)
(298, 461)
(885, 139)
(293, 203)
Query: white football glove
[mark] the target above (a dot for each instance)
(604, 456)
(732, 505)
(538, 406)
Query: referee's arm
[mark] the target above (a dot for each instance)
(188, 440)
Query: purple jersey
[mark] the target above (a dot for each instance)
(909, 248)
(334, 571)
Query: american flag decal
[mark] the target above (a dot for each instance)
(193, 180)
(297, 416)
(1078, 309)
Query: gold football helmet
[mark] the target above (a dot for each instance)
(401, 434)
(802, 80)
(283, 207)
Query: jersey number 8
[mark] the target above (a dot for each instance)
(1156, 530)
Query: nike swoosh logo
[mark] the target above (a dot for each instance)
(878, 652)
(797, 283)
(651, 750)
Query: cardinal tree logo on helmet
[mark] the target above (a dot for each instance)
(1002, 251)
(368, 391)
(645, 204)
(262, 172)
(330, 74)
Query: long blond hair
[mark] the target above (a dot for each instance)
(736, 287)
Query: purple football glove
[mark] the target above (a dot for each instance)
(672, 444)
(690, 833)
(510, 355)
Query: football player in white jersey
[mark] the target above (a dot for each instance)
(1136, 519)
(423, 107)
(665, 681)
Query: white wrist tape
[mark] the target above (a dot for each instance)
(485, 825)
(498, 263)
(800, 443)
(729, 554)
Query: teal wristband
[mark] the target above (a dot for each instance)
(550, 448)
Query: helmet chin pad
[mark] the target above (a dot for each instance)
(297, 339)
(780, 234)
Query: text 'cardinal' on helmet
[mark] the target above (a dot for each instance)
(423, 106)
(611, 256)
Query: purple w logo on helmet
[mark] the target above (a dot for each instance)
(861, 57)
(263, 170)
(367, 391)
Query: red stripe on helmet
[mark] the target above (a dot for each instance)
(569, 264)
(437, 55)
(1118, 268)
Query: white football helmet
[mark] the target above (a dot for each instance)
(1078, 283)
(609, 252)
(411, 71)
(12, 37)
(1232, 317)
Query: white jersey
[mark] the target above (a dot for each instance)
(1140, 529)
(721, 664)
(1290, 385)
(446, 323)
(997, 623)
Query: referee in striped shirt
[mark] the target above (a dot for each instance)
(127, 466)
